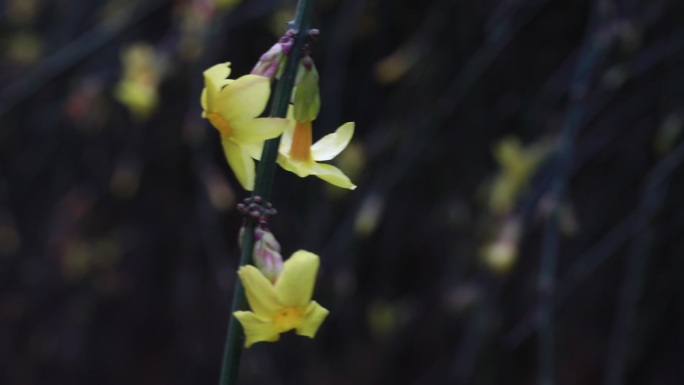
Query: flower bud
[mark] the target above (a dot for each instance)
(266, 253)
(307, 97)
(271, 63)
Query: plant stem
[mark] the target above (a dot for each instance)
(281, 98)
(591, 54)
(263, 186)
(233, 346)
(621, 345)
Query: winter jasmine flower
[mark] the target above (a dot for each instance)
(232, 106)
(284, 305)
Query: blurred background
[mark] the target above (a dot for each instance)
(518, 219)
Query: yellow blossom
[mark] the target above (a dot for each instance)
(299, 156)
(232, 106)
(517, 166)
(284, 305)
(500, 256)
(138, 87)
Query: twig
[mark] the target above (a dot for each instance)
(76, 51)
(595, 257)
(411, 153)
(594, 48)
(652, 201)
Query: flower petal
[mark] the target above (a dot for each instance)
(313, 318)
(244, 98)
(257, 329)
(203, 102)
(240, 161)
(511, 157)
(332, 175)
(214, 80)
(258, 130)
(286, 140)
(299, 168)
(254, 149)
(332, 144)
(286, 137)
(260, 293)
(296, 282)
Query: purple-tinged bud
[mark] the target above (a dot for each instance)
(286, 42)
(308, 63)
(266, 253)
(314, 34)
(270, 63)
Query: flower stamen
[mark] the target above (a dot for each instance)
(218, 122)
(287, 318)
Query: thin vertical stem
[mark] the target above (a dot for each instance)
(594, 48)
(233, 346)
(281, 98)
(263, 186)
(619, 348)
(547, 275)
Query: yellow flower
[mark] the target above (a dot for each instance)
(138, 86)
(501, 253)
(517, 167)
(232, 107)
(283, 306)
(299, 156)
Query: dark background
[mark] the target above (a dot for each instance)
(118, 233)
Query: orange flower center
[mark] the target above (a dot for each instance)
(218, 122)
(287, 318)
(301, 142)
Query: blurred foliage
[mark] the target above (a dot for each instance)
(118, 233)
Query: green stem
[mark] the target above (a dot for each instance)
(281, 98)
(234, 340)
(263, 186)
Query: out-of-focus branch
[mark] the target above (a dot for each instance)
(595, 46)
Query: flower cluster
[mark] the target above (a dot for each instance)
(138, 88)
(517, 164)
(279, 293)
(233, 106)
